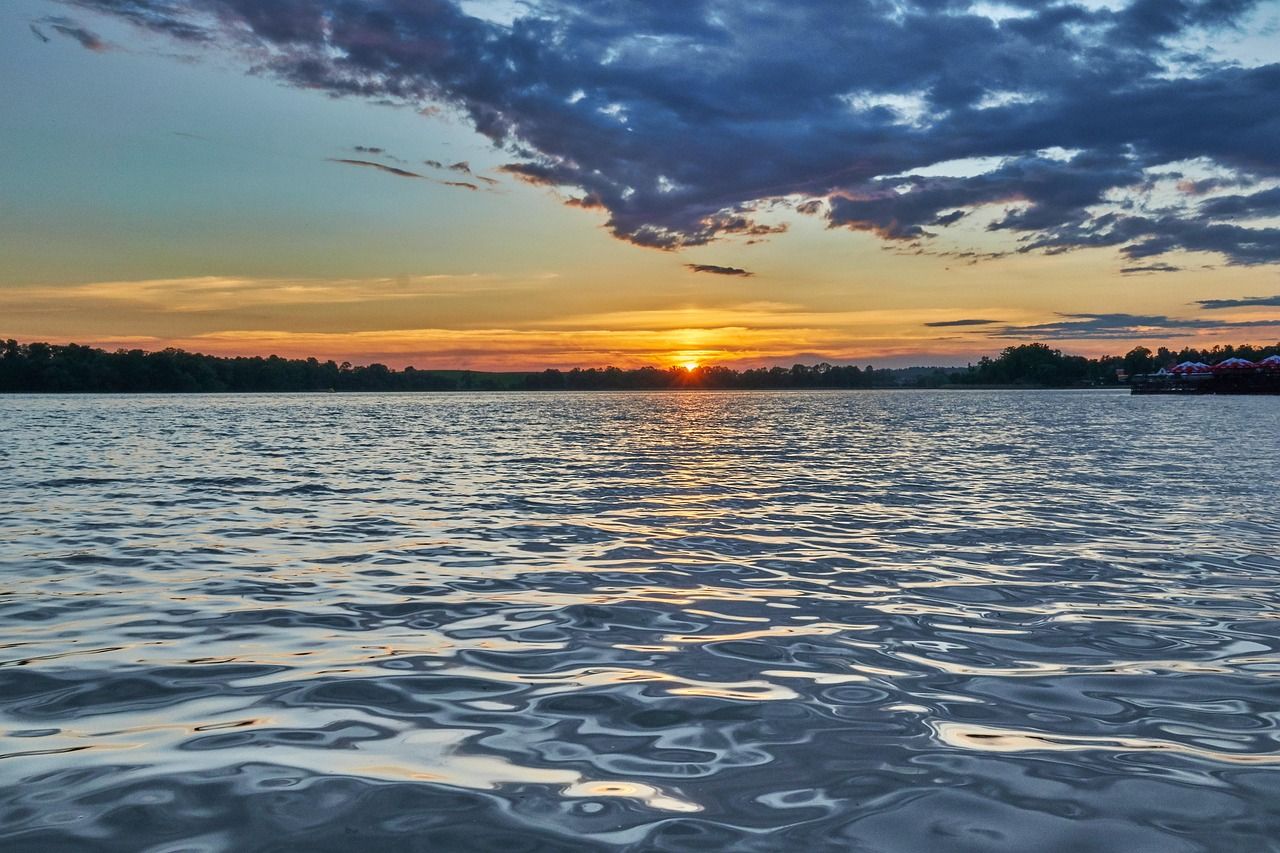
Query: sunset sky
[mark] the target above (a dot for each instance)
(550, 184)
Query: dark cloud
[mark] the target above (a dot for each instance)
(589, 202)
(1244, 302)
(461, 185)
(1050, 193)
(376, 151)
(718, 270)
(463, 166)
(435, 164)
(945, 219)
(684, 120)
(1149, 268)
(1120, 327)
(531, 173)
(72, 30)
(1263, 203)
(391, 170)
(35, 31)
(168, 17)
(942, 324)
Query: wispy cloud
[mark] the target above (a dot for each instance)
(942, 324)
(405, 173)
(87, 39)
(382, 167)
(1124, 327)
(1243, 302)
(719, 270)
(212, 294)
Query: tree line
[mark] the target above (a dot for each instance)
(43, 367)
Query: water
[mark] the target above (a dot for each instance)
(893, 622)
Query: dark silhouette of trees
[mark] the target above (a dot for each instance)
(42, 367)
(1033, 364)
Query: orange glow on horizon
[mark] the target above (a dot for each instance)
(507, 322)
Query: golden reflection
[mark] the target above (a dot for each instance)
(438, 755)
(808, 629)
(816, 677)
(728, 617)
(1138, 667)
(575, 679)
(489, 772)
(992, 739)
(647, 794)
(981, 629)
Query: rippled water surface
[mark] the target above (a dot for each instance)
(893, 622)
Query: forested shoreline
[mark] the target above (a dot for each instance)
(73, 368)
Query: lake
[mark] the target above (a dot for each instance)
(884, 622)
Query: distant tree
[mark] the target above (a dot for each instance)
(42, 367)
(1139, 360)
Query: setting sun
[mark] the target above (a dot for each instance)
(690, 366)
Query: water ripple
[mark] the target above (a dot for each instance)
(889, 622)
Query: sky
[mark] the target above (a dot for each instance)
(491, 184)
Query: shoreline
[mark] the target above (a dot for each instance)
(508, 391)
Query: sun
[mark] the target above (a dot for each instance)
(690, 366)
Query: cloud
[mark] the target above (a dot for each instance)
(683, 121)
(464, 168)
(1244, 302)
(35, 31)
(376, 151)
(72, 30)
(220, 295)
(176, 20)
(391, 170)
(946, 323)
(718, 270)
(405, 173)
(1262, 203)
(1149, 268)
(1208, 185)
(1122, 327)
